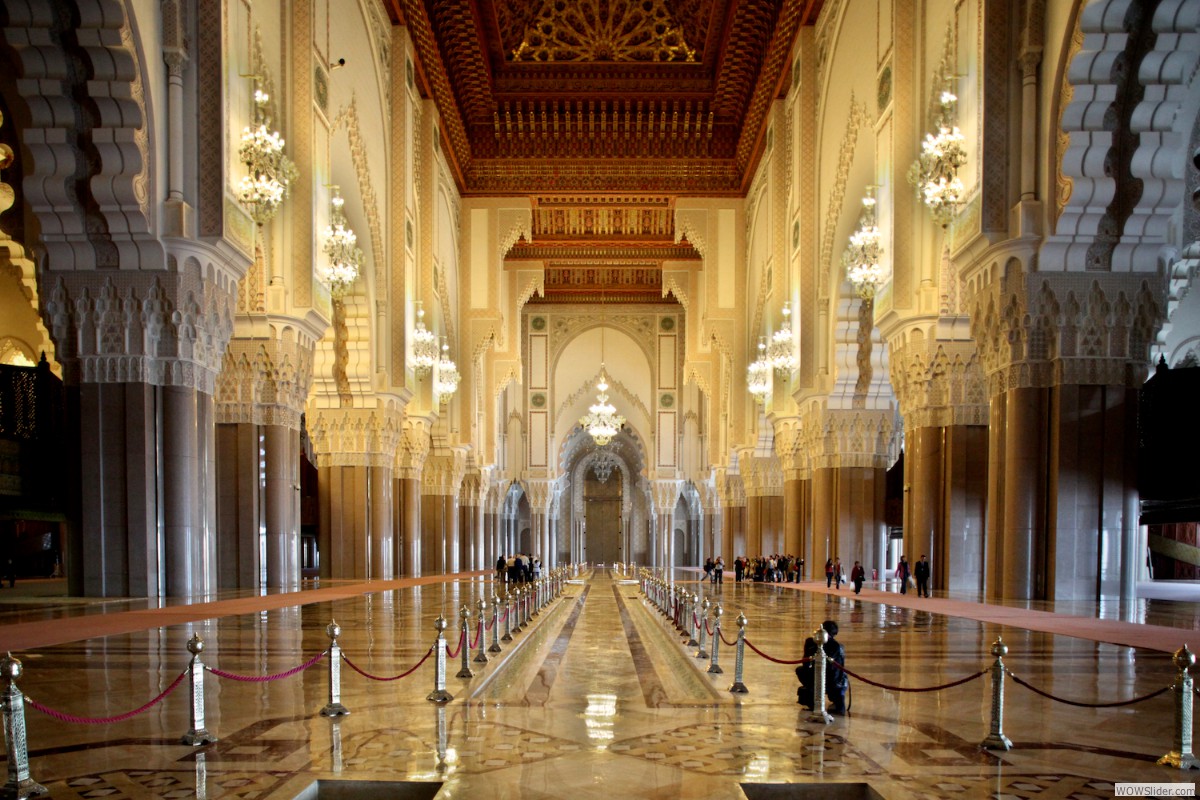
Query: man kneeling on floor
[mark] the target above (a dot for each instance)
(836, 680)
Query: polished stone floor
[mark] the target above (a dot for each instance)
(598, 698)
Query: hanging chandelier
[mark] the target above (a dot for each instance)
(758, 374)
(271, 172)
(604, 463)
(782, 350)
(425, 349)
(345, 257)
(935, 172)
(602, 420)
(862, 257)
(447, 374)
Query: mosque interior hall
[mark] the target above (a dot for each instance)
(332, 328)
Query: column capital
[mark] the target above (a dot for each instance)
(355, 437)
(264, 377)
(1037, 330)
(443, 472)
(937, 383)
(412, 447)
(162, 327)
(849, 437)
(762, 476)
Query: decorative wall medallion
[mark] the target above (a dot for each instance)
(537, 400)
(667, 323)
(667, 400)
(883, 94)
(537, 323)
(321, 89)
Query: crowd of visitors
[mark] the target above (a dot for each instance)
(768, 569)
(518, 568)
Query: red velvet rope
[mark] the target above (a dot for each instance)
(709, 627)
(264, 678)
(404, 674)
(478, 636)
(939, 687)
(728, 642)
(772, 658)
(1078, 704)
(462, 637)
(62, 717)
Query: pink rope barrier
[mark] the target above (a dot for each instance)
(63, 717)
(478, 637)
(368, 675)
(728, 642)
(233, 676)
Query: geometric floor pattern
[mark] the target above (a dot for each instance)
(598, 698)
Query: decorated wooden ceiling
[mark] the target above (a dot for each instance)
(603, 112)
(542, 96)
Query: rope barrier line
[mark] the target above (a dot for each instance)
(729, 642)
(462, 635)
(1078, 704)
(478, 636)
(220, 673)
(709, 626)
(404, 674)
(772, 658)
(64, 717)
(937, 688)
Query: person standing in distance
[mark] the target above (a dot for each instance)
(921, 573)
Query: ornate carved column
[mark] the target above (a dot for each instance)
(940, 388)
(411, 451)
(665, 494)
(356, 449)
(541, 499)
(472, 521)
(441, 482)
(260, 397)
(850, 451)
(1063, 354)
(732, 497)
(138, 347)
(762, 478)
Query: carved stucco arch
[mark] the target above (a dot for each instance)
(88, 179)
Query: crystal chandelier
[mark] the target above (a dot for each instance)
(341, 247)
(447, 374)
(425, 349)
(602, 420)
(935, 172)
(604, 463)
(782, 350)
(271, 172)
(758, 374)
(862, 256)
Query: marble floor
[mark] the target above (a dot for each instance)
(597, 699)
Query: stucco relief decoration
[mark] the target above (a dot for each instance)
(514, 224)
(603, 30)
(348, 117)
(692, 225)
(858, 117)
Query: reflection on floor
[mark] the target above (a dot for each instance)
(598, 698)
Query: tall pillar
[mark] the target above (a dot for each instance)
(282, 531)
(762, 478)
(732, 497)
(412, 449)
(441, 482)
(238, 506)
(264, 381)
(849, 485)
(355, 450)
(665, 494)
